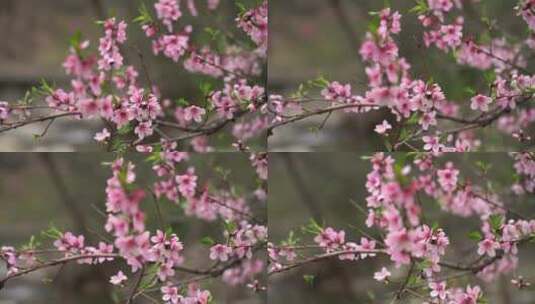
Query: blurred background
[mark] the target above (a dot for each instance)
(309, 38)
(40, 189)
(35, 41)
(330, 188)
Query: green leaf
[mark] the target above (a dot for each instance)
(413, 280)
(214, 33)
(32, 244)
(291, 240)
(490, 76)
(301, 92)
(495, 221)
(485, 167)
(241, 8)
(420, 9)
(373, 25)
(313, 227)
(154, 158)
(45, 88)
(52, 232)
(206, 88)
(144, 15)
(414, 119)
(75, 41)
(320, 82)
(169, 230)
(149, 278)
(475, 235)
(230, 226)
(124, 130)
(470, 91)
(388, 146)
(309, 279)
(404, 134)
(119, 146)
(208, 241)
(425, 264)
(224, 173)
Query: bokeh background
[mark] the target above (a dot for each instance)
(330, 188)
(35, 41)
(309, 38)
(67, 189)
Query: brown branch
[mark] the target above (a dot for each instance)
(475, 268)
(507, 62)
(45, 130)
(403, 286)
(299, 117)
(136, 286)
(216, 126)
(145, 68)
(322, 257)
(19, 124)
(212, 272)
(55, 263)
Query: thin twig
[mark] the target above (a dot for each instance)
(136, 286)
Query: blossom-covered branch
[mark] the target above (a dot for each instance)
(156, 258)
(401, 191)
(423, 117)
(106, 87)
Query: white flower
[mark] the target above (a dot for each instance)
(383, 127)
(382, 275)
(118, 278)
(102, 136)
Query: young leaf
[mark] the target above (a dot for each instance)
(495, 221)
(475, 235)
(208, 241)
(309, 279)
